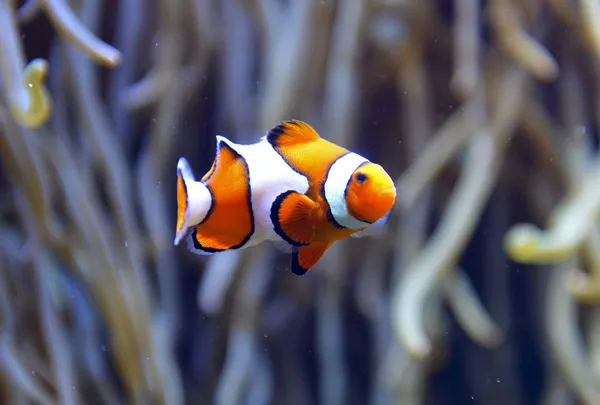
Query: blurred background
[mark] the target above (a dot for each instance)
(483, 288)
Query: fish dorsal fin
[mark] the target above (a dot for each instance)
(290, 133)
(221, 141)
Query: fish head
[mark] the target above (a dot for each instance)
(370, 193)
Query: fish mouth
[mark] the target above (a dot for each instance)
(387, 197)
(389, 192)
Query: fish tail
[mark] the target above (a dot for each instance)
(194, 200)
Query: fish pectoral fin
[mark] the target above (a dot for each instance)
(292, 215)
(291, 132)
(307, 256)
(208, 243)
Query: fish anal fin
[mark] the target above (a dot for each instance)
(292, 215)
(195, 246)
(291, 132)
(306, 257)
(207, 243)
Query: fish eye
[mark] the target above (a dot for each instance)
(360, 178)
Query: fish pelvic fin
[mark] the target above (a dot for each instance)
(194, 200)
(306, 257)
(377, 228)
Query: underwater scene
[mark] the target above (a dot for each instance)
(299, 202)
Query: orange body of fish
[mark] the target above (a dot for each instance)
(292, 187)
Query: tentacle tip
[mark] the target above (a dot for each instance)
(35, 72)
(463, 83)
(33, 112)
(553, 72)
(114, 59)
(548, 69)
(494, 339)
(418, 350)
(420, 353)
(412, 337)
(522, 242)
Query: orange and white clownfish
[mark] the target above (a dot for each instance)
(292, 187)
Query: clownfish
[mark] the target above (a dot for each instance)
(292, 187)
